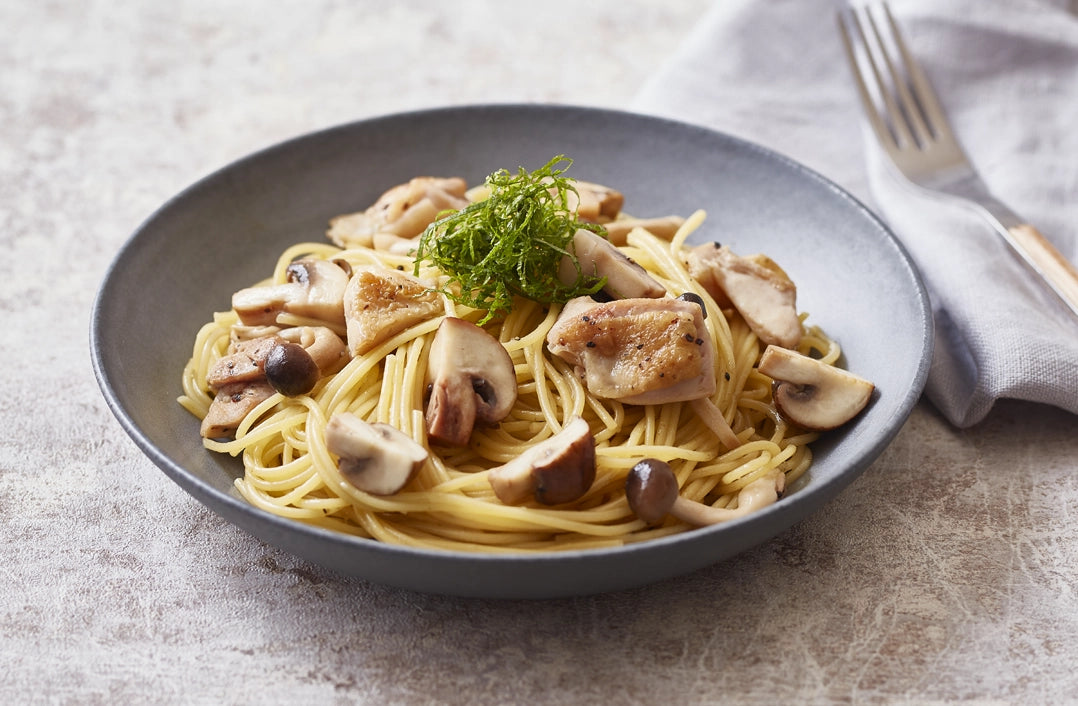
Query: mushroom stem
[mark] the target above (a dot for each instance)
(756, 495)
(471, 379)
(712, 416)
(653, 493)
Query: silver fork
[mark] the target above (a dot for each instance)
(914, 131)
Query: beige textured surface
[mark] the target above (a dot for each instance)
(948, 572)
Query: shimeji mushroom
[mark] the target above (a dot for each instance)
(811, 393)
(558, 470)
(376, 458)
(290, 369)
(470, 377)
(300, 360)
(289, 361)
(598, 257)
(652, 491)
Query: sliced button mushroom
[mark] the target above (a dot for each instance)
(230, 405)
(617, 232)
(376, 458)
(379, 303)
(403, 211)
(652, 491)
(315, 289)
(246, 361)
(811, 393)
(757, 287)
(471, 379)
(638, 351)
(598, 257)
(239, 332)
(558, 470)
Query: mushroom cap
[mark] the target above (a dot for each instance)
(811, 393)
(555, 471)
(695, 299)
(376, 458)
(471, 377)
(651, 489)
(290, 369)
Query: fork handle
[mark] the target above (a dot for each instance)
(1049, 262)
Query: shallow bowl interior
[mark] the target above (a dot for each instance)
(227, 230)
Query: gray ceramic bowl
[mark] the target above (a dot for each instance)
(227, 230)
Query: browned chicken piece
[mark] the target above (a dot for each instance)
(380, 303)
(404, 211)
(595, 202)
(666, 227)
(638, 351)
(757, 287)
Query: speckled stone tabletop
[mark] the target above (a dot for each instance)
(947, 573)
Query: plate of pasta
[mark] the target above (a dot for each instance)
(512, 351)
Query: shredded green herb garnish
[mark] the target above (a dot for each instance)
(511, 243)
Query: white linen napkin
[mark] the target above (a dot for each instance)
(1007, 74)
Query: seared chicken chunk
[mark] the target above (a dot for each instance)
(380, 303)
(595, 202)
(666, 227)
(404, 211)
(758, 288)
(639, 351)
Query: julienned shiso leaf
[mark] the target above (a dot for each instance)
(511, 243)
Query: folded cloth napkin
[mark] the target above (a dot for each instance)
(1007, 74)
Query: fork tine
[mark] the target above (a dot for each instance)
(935, 122)
(911, 115)
(909, 105)
(879, 126)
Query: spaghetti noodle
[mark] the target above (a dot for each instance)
(449, 503)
